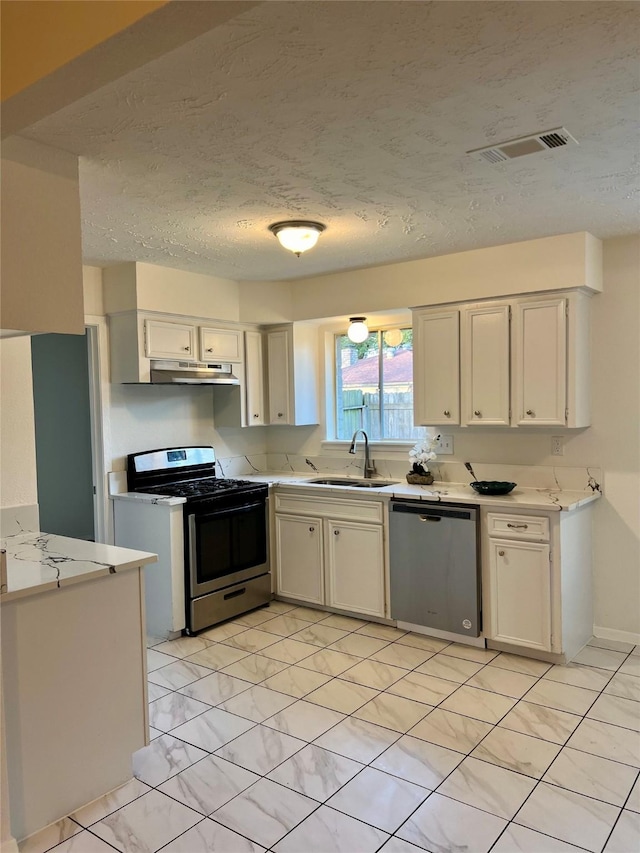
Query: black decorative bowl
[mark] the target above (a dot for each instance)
(492, 487)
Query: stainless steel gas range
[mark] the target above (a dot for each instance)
(226, 531)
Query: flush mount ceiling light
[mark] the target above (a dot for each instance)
(358, 330)
(297, 235)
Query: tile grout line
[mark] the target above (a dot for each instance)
(401, 734)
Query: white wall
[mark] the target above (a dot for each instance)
(148, 287)
(550, 263)
(41, 246)
(615, 437)
(18, 484)
(153, 416)
(92, 288)
(266, 302)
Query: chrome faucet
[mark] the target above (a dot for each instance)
(369, 467)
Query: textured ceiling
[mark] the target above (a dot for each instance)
(358, 114)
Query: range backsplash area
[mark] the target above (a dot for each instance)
(581, 479)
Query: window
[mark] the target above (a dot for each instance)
(374, 387)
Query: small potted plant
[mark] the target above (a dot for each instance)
(421, 454)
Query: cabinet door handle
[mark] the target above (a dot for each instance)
(209, 349)
(447, 413)
(336, 533)
(531, 413)
(477, 414)
(517, 526)
(311, 529)
(500, 553)
(187, 349)
(256, 416)
(280, 414)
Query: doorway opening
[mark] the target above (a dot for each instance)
(68, 434)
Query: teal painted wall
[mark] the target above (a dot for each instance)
(63, 434)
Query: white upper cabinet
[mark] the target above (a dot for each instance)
(540, 362)
(280, 382)
(220, 345)
(175, 341)
(436, 367)
(294, 390)
(136, 338)
(254, 374)
(516, 362)
(484, 357)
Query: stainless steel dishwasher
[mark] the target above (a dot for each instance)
(434, 566)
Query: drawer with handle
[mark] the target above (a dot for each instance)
(531, 527)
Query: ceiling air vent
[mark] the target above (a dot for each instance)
(558, 137)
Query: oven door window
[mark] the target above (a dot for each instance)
(229, 541)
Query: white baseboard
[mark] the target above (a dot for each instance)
(614, 634)
(443, 635)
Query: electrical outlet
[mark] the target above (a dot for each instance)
(557, 448)
(444, 445)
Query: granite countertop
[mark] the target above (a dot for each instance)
(37, 562)
(144, 498)
(520, 498)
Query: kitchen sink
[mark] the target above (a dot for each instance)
(349, 481)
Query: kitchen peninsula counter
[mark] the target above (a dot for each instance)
(74, 687)
(38, 562)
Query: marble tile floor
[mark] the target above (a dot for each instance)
(293, 731)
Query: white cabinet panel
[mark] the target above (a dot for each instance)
(485, 365)
(174, 341)
(303, 503)
(254, 378)
(293, 375)
(355, 567)
(279, 377)
(299, 558)
(223, 345)
(331, 551)
(520, 584)
(540, 374)
(436, 367)
(521, 362)
(518, 526)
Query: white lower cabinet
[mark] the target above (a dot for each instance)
(355, 566)
(299, 563)
(331, 551)
(536, 579)
(520, 578)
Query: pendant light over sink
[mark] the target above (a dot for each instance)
(358, 330)
(297, 235)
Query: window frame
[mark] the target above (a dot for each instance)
(332, 442)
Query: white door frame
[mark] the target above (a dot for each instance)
(97, 350)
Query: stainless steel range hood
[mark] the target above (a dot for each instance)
(188, 373)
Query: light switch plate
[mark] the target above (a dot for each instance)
(444, 445)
